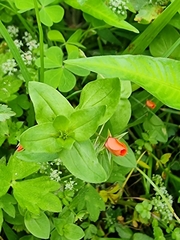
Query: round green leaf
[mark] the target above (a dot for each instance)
(51, 14)
(55, 35)
(73, 232)
(67, 80)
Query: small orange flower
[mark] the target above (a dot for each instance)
(115, 147)
(19, 148)
(150, 104)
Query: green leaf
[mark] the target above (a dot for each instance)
(128, 160)
(53, 59)
(7, 202)
(5, 112)
(82, 162)
(73, 232)
(159, 76)
(120, 118)
(55, 35)
(51, 14)
(84, 122)
(101, 11)
(35, 194)
(164, 40)
(20, 169)
(46, 2)
(36, 157)
(88, 198)
(41, 138)
(67, 80)
(8, 86)
(1, 219)
(101, 92)
(48, 103)
(141, 236)
(5, 181)
(38, 225)
(24, 5)
(156, 129)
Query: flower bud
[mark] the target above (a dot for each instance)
(115, 147)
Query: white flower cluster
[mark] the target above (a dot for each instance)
(69, 185)
(13, 31)
(55, 175)
(118, 6)
(159, 204)
(160, 2)
(9, 67)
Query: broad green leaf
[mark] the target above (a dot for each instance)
(38, 225)
(41, 138)
(101, 92)
(20, 169)
(84, 122)
(128, 160)
(48, 103)
(7, 202)
(36, 157)
(52, 77)
(164, 40)
(67, 80)
(120, 118)
(73, 232)
(31, 193)
(5, 112)
(88, 198)
(76, 70)
(82, 162)
(51, 14)
(55, 35)
(158, 76)
(101, 11)
(5, 181)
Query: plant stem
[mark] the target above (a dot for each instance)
(160, 193)
(40, 41)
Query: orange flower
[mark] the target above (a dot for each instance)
(19, 148)
(150, 104)
(115, 147)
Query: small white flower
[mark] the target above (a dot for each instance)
(18, 43)
(55, 175)
(27, 37)
(27, 57)
(13, 31)
(69, 185)
(32, 44)
(9, 67)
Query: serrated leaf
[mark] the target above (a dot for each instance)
(5, 112)
(158, 76)
(99, 10)
(92, 202)
(48, 103)
(82, 162)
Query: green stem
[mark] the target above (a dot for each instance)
(160, 193)
(40, 41)
(15, 52)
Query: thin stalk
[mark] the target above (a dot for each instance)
(171, 49)
(15, 53)
(160, 193)
(41, 42)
